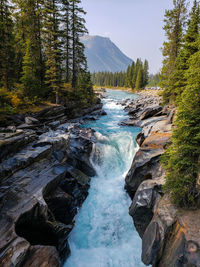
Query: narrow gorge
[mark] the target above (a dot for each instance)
(65, 184)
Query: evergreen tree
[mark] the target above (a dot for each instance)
(52, 43)
(128, 77)
(78, 29)
(139, 80)
(145, 73)
(182, 158)
(66, 36)
(174, 25)
(135, 73)
(6, 46)
(178, 80)
(32, 65)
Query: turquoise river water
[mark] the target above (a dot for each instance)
(104, 234)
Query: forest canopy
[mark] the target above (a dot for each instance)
(41, 56)
(180, 77)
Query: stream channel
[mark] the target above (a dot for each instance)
(104, 234)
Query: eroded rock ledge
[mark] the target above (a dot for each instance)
(45, 175)
(170, 236)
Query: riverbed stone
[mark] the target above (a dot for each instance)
(146, 165)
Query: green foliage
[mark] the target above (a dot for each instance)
(78, 29)
(139, 80)
(6, 46)
(117, 79)
(136, 77)
(174, 26)
(42, 51)
(154, 80)
(182, 158)
(30, 81)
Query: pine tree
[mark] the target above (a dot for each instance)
(78, 29)
(128, 76)
(66, 36)
(6, 46)
(174, 25)
(145, 73)
(182, 158)
(178, 80)
(52, 43)
(135, 73)
(32, 63)
(139, 80)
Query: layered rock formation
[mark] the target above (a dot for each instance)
(45, 175)
(170, 236)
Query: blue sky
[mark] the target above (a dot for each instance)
(135, 26)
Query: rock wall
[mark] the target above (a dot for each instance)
(170, 235)
(45, 175)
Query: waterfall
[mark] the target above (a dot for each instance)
(104, 234)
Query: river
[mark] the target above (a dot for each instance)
(104, 234)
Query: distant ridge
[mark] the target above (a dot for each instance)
(103, 55)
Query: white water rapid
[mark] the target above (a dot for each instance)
(104, 234)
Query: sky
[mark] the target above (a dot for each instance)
(135, 26)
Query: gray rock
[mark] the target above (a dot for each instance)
(144, 201)
(11, 143)
(150, 112)
(31, 120)
(146, 165)
(39, 196)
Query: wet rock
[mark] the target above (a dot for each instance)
(80, 148)
(150, 112)
(76, 184)
(144, 202)
(22, 159)
(43, 256)
(146, 165)
(10, 143)
(40, 194)
(60, 204)
(129, 122)
(154, 238)
(53, 125)
(151, 245)
(140, 138)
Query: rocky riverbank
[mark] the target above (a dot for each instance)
(45, 176)
(170, 235)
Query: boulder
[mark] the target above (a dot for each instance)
(146, 165)
(144, 202)
(157, 140)
(182, 242)
(31, 120)
(80, 148)
(154, 238)
(150, 112)
(172, 239)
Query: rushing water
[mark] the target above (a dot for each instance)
(104, 234)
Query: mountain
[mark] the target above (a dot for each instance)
(103, 55)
